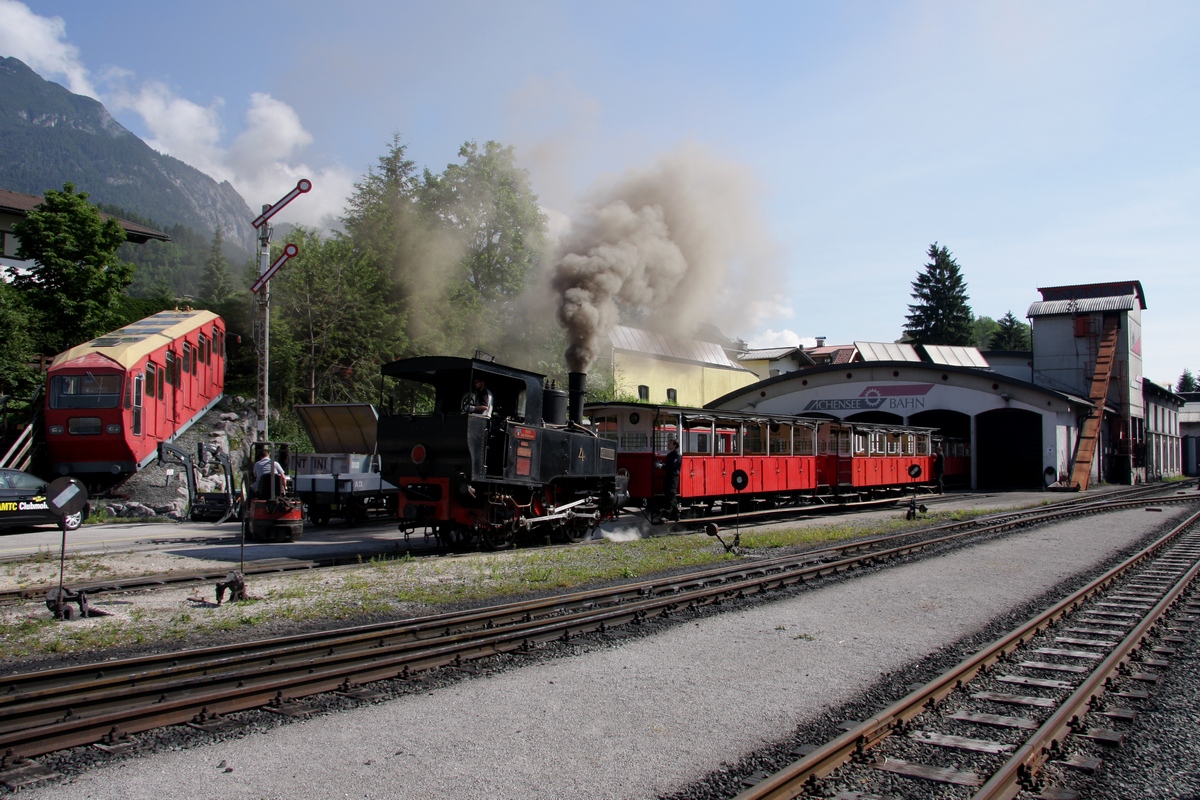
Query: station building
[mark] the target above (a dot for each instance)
(1072, 412)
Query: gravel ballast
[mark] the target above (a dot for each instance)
(647, 716)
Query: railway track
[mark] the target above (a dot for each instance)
(1046, 697)
(103, 704)
(277, 566)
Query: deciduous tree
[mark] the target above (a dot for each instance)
(75, 280)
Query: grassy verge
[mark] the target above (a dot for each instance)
(400, 587)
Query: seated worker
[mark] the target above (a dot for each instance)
(269, 466)
(480, 400)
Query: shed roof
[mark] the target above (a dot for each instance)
(956, 356)
(636, 340)
(22, 204)
(886, 351)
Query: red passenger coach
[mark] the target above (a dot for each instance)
(110, 401)
(786, 460)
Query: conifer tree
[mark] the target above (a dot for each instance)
(216, 284)
(1011, 334)
(941, 314)
(1187, 382)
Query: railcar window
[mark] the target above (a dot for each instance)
(171, 369)
(803, 439)
(187, 357)
(205, 352)
(85, 391)
(151, 374)
(161, 394)
(843, 443)
(137, 405)
(860, 444)
(923, 445)
(84, 426)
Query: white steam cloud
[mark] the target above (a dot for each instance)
(683, 243)
(262, 162)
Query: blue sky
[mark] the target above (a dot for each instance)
(1043, 143)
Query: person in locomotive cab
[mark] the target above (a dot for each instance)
(480, 400)
(672, 465)
(939, 469)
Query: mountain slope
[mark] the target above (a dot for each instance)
(49, 136)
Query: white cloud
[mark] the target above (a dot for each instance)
(40, 43)
(262, 161)
(783, 338)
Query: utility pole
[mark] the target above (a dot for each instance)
(262, 296)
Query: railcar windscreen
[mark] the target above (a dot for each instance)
(90, 390)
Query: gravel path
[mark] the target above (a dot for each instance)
(643, 717)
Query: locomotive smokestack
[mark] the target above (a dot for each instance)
(576, 385)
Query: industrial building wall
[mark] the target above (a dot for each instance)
(694, 384)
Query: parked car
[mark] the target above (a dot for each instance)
(23, 502)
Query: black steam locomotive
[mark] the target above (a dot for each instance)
(529, 470)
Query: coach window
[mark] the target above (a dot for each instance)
(781, 439)
(860, 443)
(150, 376)
(204, 351)
(729, 438)
(666, 428)
(171, 381)
(606, 427)
(803, 440)
(754, 439)
(187, 357)
(161, 375)
(697, 437)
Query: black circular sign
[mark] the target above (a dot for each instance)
(914, 471)
(66, 496)
(633, 418)
(739, 479)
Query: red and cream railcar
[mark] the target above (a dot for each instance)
(787, 460)
(110, 401)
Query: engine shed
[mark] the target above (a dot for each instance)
(1069, 413)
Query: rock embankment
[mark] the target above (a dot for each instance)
(160, 490)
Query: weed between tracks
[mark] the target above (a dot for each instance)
(380, 588)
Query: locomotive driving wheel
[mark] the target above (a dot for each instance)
(501, 537)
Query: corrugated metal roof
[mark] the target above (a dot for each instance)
(956, 356)
(1087, 305)
(1080, 291)
(650, 343)
(340, 427)
(769, 353)
(887, 351)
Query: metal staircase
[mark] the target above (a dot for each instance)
(1085, 452)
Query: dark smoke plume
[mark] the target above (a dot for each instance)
(665, 241)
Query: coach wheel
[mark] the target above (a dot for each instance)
(319, 515)
(500, 538)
